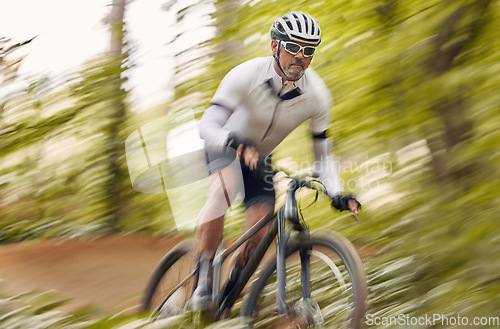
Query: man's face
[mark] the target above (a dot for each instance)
(293, 65)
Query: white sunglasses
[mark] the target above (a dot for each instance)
(294, 48)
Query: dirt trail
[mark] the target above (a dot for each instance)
(107, 272)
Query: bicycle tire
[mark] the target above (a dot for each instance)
(338, 250)
(164, 279)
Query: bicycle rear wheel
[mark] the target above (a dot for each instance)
(337, 282)
(171, 285)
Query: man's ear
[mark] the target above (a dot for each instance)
(274, 47)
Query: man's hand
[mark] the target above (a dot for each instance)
(248, 155)
(246, 152)
(347, 202)
(353, 205)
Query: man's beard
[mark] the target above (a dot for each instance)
(295, 72)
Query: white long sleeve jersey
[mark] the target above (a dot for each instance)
(253, 101)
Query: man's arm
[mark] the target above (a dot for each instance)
(212, 130)
(211, 125)
(325, 166)
(230, 93)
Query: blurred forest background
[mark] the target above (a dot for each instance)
(415, 128)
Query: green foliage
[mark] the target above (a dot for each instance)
(8, 65)
(42, 310)
(413, 84)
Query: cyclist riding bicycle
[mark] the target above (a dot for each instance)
(255, 107)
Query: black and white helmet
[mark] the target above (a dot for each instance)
(298, 27)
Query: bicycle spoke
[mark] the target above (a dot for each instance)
(171, 284)
(174, 290)
(332, 265)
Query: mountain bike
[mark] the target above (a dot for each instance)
(310, 280)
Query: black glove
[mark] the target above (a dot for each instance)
(233, 141)
(342, 202)
(264, 169)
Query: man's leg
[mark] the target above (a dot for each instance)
(224, 185)
(259, 202)
(208, 236)
(254, 214)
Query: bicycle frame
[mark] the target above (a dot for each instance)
(301, 305)
(289, 213)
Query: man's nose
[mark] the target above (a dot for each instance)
(300, 54)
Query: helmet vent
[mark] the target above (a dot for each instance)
(298, 27)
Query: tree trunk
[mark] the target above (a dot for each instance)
(115, 145)
(116, 21)
(456, 126)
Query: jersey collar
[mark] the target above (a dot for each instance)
(282, 87)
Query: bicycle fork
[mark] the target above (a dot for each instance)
(280, 264)
(305, 256)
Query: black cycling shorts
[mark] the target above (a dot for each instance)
(258, 189)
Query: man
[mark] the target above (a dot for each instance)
(255, 107)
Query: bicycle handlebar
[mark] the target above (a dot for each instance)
(309, 180)
(301, 179)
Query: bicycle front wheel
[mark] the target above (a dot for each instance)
(172, 283)
(338, 288)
